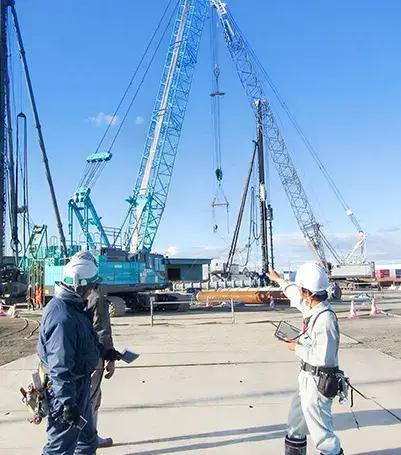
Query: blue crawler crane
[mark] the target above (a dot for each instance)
(126, 263)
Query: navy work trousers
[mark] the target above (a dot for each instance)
(64, 438)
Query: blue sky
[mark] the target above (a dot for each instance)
(336, 64)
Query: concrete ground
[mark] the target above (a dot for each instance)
(203, 385)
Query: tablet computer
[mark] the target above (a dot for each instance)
(128, 356)
(286, 331)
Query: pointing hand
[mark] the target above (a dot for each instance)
(273, 275)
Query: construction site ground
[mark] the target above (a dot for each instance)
(204, 385)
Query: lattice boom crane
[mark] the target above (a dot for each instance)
(148, 200)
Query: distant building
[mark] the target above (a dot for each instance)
(289, 275)
(388, 273)
(186, 269)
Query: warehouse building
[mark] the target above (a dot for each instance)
(187, 269)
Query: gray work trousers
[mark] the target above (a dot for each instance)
(311, 413)
(96, 390)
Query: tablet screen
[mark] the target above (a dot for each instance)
(285, 330)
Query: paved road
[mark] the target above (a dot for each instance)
(204, 386)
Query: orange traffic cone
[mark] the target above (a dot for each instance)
(373, 310)
(352, 313)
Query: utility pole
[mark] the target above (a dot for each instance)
(3, 133)
(262, 187)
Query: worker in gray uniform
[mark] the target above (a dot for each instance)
(317, 347)
(98, 311)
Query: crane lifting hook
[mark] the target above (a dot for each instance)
(219, 174)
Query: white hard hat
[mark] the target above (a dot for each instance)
(312, 277)
(81, 270)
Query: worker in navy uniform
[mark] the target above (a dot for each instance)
(98, 310)
(69, 352)
(317, 348)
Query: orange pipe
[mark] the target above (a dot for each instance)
(251, 295)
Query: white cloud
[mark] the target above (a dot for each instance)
(139, 120)
(103, 119)
(171, 251)
(390, 229)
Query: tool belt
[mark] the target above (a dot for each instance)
(331, 380)
(317, 370)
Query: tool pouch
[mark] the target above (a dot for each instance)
(329, 384)
(35, 399)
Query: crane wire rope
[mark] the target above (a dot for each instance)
(253, 234)
(22, 156)
(21, 168)
(92, 171)
(299, 130)
(332, 244)
(220, 199)
(253, 237)
(93, 177)
(12, 171)
(309, 147)
(215, 96)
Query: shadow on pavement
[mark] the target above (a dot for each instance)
(382, 452)
(212, 434)
(343, 421)
(209, 445)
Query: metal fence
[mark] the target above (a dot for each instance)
(153, 303)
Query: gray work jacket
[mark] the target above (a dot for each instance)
(98, 312)
(319, 344)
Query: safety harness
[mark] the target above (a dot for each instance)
(343, 383)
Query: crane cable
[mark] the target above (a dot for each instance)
(21, 163)
(299, 130)
(12, 171)
(253, 235)
(93, 170)
(220, 199)
(215, 96)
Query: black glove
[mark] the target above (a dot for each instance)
(112, 355)
(71, 414)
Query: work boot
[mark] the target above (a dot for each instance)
(295, 446)
(106, 442)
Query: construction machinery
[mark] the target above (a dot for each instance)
(25, 239)
(127, 265)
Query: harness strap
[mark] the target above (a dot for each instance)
(354, 389)
(306, 321)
